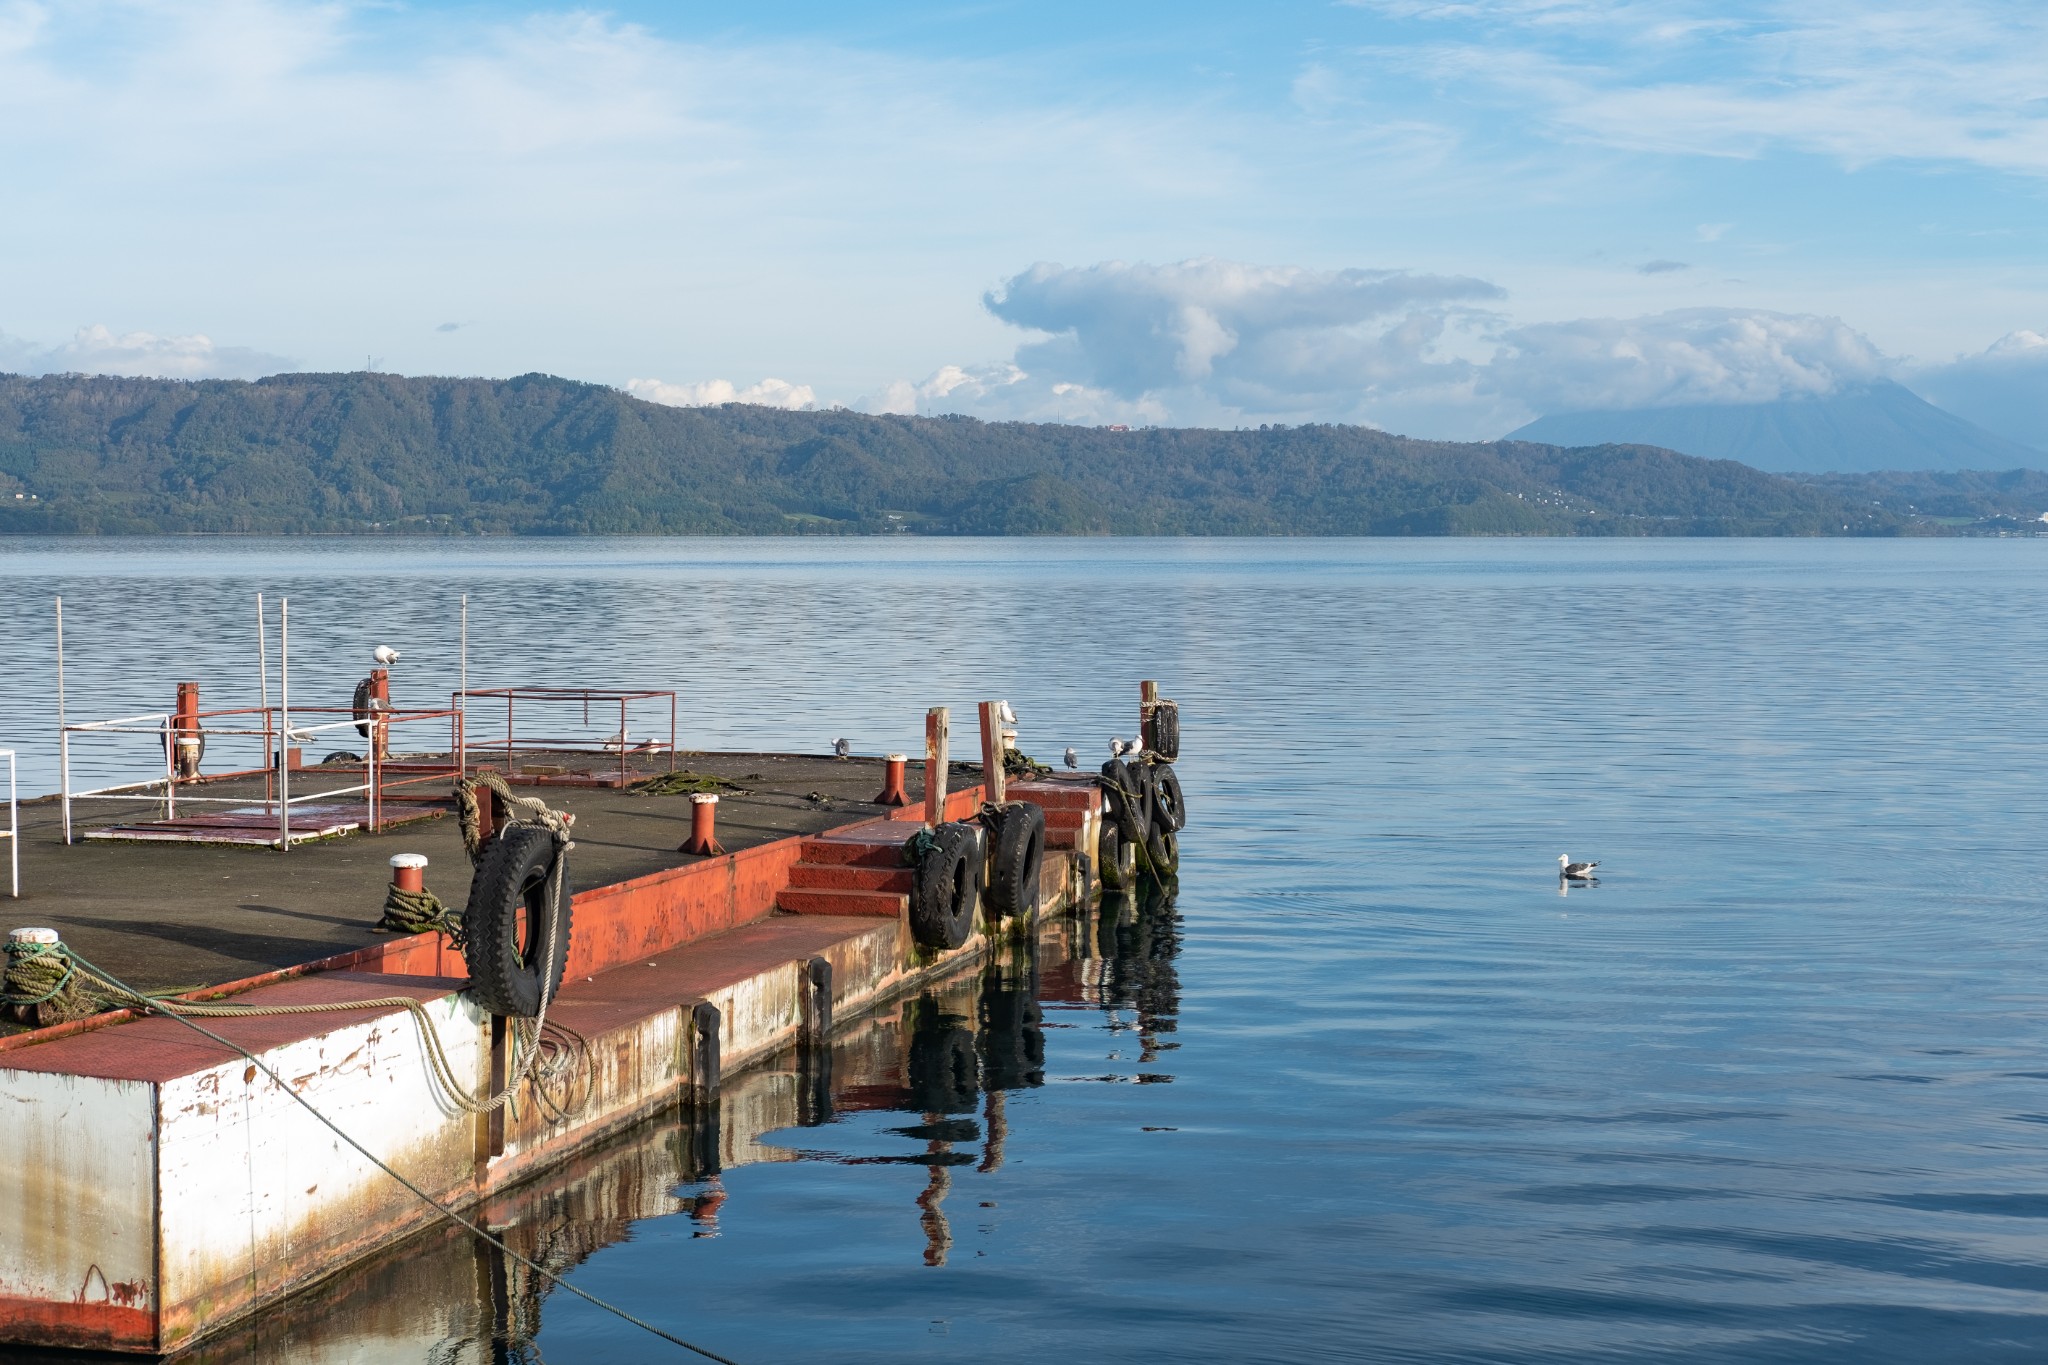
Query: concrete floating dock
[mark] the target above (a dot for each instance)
(158, 1188)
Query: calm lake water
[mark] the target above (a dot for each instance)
(1374, 1089)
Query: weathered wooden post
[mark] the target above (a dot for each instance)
(1148, 697)
(935, 766)
(992, 747)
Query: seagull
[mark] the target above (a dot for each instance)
(384, 654)
(1116, 747)
(1005, 714)
(1576, 871)
(1073, 757)
(617, 742)
(842, 747)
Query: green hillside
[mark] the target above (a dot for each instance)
(539, 455)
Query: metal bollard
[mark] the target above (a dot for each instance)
(893, 793)
(409, 872)
(703, 825)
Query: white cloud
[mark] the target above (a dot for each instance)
(1227, 336)
(1859, 80)
(2003, 388)
(1691, 355)
(99, 349)
(769, 393)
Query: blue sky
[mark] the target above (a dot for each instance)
(1441, 217)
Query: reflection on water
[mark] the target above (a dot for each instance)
(929, 1075)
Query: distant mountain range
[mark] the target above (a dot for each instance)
(1867, 429)
(342, 453)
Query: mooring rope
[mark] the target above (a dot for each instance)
(469, 814)
(127, 992)
(420, 912)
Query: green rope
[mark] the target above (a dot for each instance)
(419, 912)
(1017, 763)
(917, 845)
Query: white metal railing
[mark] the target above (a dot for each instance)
(278, 741)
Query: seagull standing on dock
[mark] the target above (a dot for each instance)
(842, 747)
(1073, 757)
(1578, 872)
(384, 654)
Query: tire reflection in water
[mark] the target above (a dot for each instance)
(946, 1058)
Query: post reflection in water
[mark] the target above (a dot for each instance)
(947, 1057)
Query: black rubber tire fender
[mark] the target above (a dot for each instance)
(1169, 807)
(946, 887)
(507, 976)
(1124, 801)
(1019, 843)
(1166, 730)
(1163, 848)
(359, 706)
(1116, 861)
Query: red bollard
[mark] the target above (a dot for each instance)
(892, 782)
(186, 745)
(409, 872)
(703, 817)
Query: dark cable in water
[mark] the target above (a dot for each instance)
(436, 1205)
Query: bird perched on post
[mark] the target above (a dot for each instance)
(1578, 872)
(1073, 757)
(842, 747)
(384, 654)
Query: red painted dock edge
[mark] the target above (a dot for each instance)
(613, 924)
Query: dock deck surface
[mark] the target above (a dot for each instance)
(163, 914)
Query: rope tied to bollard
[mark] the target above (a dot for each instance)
(469, 813)
(419, 912)
(73, 968)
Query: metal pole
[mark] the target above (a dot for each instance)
(262, 658)
(170, 771)
(284, 713)
(63, 735)
(13, 825)
(462, 700)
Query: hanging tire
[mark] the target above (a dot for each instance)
(1163, 848)
(1169, 807)
(362, 706)
(1123, 801)
(1019, 840)
(1116, 860)
(508, 924)
(946, 887)
(1166, 730)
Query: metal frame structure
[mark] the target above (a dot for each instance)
(276, 771)
(619, 743)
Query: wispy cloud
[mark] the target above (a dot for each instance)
(1859, 80)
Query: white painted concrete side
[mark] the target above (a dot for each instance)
(257, 1194)
(77, 1189)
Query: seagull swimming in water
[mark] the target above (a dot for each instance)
(384, 654)
(1073, 757)
(842, 747)
(1576, 871)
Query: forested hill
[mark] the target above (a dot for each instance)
(373, 452)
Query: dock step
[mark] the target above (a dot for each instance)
(880, 904)
(850, 877)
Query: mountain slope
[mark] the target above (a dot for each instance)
(1875, 427)
(357, 452)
